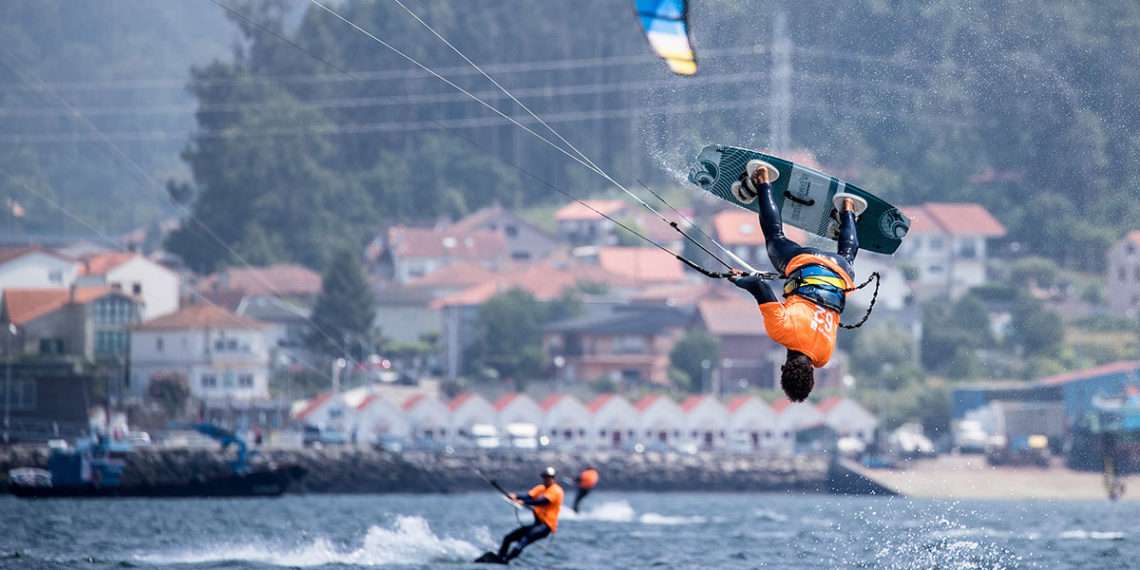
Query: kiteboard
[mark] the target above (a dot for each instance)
(490, 558)
(803, 196)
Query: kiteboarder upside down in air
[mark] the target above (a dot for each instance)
(816, 285)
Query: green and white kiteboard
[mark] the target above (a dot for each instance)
(803, 196)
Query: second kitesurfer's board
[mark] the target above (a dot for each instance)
(803, 196)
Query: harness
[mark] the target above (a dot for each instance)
(819, 285)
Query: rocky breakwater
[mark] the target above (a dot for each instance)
(351, 470)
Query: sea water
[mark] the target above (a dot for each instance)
(615, 530)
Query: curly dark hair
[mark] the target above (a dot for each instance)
(797, 376)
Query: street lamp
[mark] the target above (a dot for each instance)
(338, 365)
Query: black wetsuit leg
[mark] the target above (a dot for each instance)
(781, 250)
(581, 494)
(523, 536)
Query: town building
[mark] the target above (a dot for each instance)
(946, 249)
(428, 418)
(614, 420)
(285, 281)
(31, 267)
(91, 323)
(378, 418)
(220, 355)
(792, 418)
(706, 422)
(628, 344)
(750, 419)
(582, 223)
(746, 350)
(410, 253)
(524, 240)
(740, 232)
(516, 408)
(848, 418)
(466, 411)
(567, 422)
(1123, 279)
(157, 286)
(659, 421)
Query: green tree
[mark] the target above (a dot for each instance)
(695, 355)
(345, 310)
(171, 392)
(1037, 330)
(508, 335)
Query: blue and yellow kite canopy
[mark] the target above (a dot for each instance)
(666, 24)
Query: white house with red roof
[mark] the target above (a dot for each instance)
(412, 253)
(34, 267)
(376, 417)
(221, 355)
(428, 418)
(566, 422)
(659, 420)
(793, 417)
(157, 286)
(751, 419)
(469, 409)
(705, 421)
(524, 240)
(331, 412)
(282, 280)
(848, 418)
(517, 408)
(615, 421)
(580, 223)
(1123, 278)
(947, 245)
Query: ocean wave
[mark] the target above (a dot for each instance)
(767, 515)
(409, 541)
(659, 519)
(612, 511)
(1080, 534)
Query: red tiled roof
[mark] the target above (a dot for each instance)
(367, 401)
(444, 243)
(27, 304)
(14, 252)
(599, 402)
(828, 404)
(541, 280)
(460, 401)
(576, 211)
(692, 402)
(200, 316)
(644, 264)
(550, 401)
(464, 273)
(102, 263)
(313, 404)
(738, 316)
(644, 403)
(742, 227)
(412, 402)
(1105, 369)
(685, 294)
(505, 400)
(960, 219)
(779, 405)
(277, 279)
(737, 402)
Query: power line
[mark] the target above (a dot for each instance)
(479, 122)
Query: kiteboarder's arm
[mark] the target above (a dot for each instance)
(535, 501)
(755, 285)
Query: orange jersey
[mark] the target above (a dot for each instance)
(588, 479)
(801, 325)
(548, 513)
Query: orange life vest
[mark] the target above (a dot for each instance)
(548, 513)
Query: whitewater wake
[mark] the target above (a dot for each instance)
(410, 540)
(622, 512)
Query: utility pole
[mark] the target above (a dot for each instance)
(780, 95)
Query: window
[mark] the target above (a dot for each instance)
(511, 231)
(1130, 249)
(581, 433)
(245, 381)
(158, 344)
(520, 255)
(136, 288)
(51, 346)
(110, 342)
(630, 345)
(968, 250)
(934, 269)
(228, 379)
(209, 381)
(936, 244)
(55, 276)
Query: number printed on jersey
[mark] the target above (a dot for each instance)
(823, 321)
